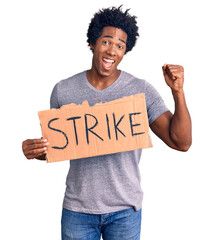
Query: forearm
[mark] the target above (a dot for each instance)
(180, 127)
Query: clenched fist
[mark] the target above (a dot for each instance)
(174, 76)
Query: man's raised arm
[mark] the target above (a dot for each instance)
(175, 129)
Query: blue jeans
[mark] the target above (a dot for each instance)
(120, 225)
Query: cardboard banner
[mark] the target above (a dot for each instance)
(79, 131)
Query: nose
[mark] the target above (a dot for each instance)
(111, 50)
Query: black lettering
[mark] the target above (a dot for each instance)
(116, 126)
(75, 130)
(89, 129)
(134, 125)
(57, 130)
(107, 120)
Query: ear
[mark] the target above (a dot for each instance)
(92, 47)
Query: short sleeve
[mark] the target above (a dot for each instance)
(154, 103)
(54, 98)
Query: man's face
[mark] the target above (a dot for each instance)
(108, 51)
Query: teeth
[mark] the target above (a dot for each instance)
(108, 60)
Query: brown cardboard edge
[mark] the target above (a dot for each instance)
(123, 99)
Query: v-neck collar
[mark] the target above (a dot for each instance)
(113, 85)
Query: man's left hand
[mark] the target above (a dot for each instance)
(174, 76)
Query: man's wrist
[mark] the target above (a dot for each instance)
(178, 94)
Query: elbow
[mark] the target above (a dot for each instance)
(182, 143)
(184, 147)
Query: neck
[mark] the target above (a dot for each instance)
(99, 81)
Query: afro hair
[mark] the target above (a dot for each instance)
(113, 17)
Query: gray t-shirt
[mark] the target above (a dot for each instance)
(107, 183)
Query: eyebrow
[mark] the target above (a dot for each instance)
(109, 36)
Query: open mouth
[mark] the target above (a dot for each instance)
(108, 62)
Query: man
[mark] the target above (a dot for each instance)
(103, 194)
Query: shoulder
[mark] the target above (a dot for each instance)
(70, 81)
(139, 84)
(132, 80)
(64, 89)
(130, 77)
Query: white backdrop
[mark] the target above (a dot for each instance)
(43, 42)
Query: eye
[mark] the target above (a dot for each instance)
(106, 42)
(120, 47)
